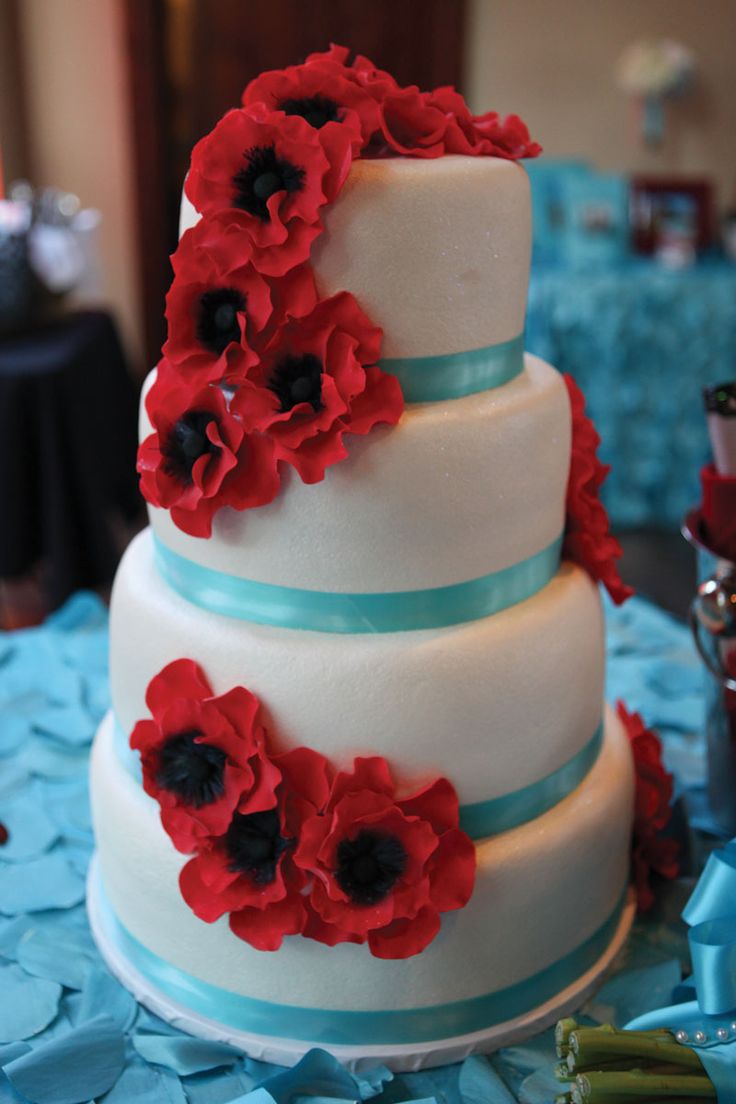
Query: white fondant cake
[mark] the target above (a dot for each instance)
(462, 501)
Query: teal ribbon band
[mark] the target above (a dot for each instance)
(500, 814)
(319, 1025)
(330, 611)
(454, 375)
(481, 818)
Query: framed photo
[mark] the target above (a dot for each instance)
(671, 207)
(597, 219)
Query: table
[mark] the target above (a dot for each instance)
(85, 1033)
(67, 451)
(642, 342)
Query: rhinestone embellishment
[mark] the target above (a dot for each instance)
(700, 1037)
(722, 1034)
(681, 1036)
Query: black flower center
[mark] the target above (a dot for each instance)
(193, 771)
(317, 110)
(217, 318)
(188, 441)
(369, 866)
(265, 173)
(297, 379)
(255, 844)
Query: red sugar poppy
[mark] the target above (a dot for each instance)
(269, 175)
(650, 851)
(199, 458)
(248, 871)
(383, 868)
(588, 540)
(316, 382)
(202, 756)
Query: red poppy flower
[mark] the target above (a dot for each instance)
(199, 458)
(269, 175)
(248, 871)
(321, 93)
(316, 382)
(362, 71)
(588, 540)
(508, 138)
(650, 851)
(411, 125)
(383, 868)
(220, 309)
(202, 756)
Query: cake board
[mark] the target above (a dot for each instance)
(401, 1059)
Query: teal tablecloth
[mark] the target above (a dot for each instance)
(69, 1033)
(642, 342)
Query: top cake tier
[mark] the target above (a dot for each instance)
(436, 252)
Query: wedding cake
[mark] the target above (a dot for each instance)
(358, 788)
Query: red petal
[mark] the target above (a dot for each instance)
(181, 679)
(452, 871)
(265, 928)
(436, 803)
(404, 938)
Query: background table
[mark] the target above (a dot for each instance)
(642, 342)
(77, 1027)
(68, 411)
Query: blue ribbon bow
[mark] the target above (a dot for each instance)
(708, 1022)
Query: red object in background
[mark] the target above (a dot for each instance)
(649, 195)
(718, 512)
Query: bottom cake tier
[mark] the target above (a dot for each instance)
(548, 913)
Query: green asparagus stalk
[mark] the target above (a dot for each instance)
(613, 1088)
(592, 1046)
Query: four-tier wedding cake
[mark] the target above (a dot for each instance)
(358, 787)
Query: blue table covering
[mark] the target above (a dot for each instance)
(642, 342)
(70, 1033)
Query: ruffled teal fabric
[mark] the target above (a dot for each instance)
(641, 342)
(69, 1033)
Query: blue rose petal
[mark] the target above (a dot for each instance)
(184, 1054)
(28, 1004)
(50, 882)
(146, 1085)
(74, 1068)
(64, 955)
(478, 1083)
(30, 830)
(101, 990)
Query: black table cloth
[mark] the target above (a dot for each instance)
(67, 452)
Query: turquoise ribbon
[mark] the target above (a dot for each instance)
(711, 914)
(499, 814)
(329, 611)
(320, 1025)
(481, 818)
(437, 378)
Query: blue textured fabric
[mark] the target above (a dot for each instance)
(641, 342)
(55, 676)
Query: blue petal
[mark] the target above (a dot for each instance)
(28, 1004)
(184, 1054)
(30, 830)
(13, 730)
(101, 990)
(478, 1083)
(146, 1085)
(370, 1082)
(317, 1074)
(80, 1065)
(47, 759)
(539, 1088)
(69, 723)
(634, 992)
(45, 883)
(61, 955)
(221, 1087)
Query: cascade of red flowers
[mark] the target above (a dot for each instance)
(282, 843)
(294, 374)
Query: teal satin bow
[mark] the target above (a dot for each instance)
(708, 1023)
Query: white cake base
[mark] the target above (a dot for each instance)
(287, 1052)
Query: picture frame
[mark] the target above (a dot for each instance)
(659, 202)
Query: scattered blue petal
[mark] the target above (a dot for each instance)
(634, 992)
(102, 990)
(45, 883)
(540, 1087)
(317, 1074)
(219, 1087)
(184, 1054)
(70, 723)
(478, 1083)
(28, 1004)
(145, 1085)
(30, 830)
(60, 955)
(370, 1082)
(82, 1064)
(14, 728)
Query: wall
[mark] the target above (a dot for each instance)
(12, 124)
(78, 129)
(552, 62)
